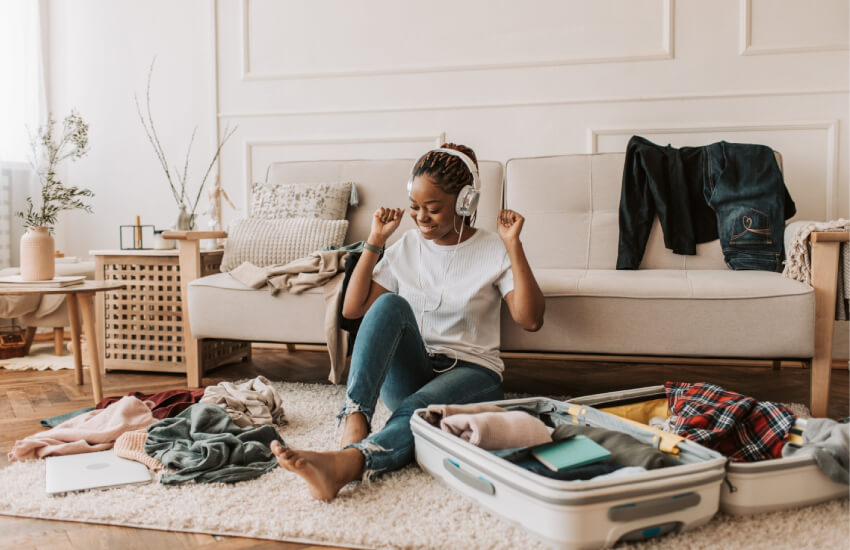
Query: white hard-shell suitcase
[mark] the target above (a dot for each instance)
(579, 514)
(749, 487)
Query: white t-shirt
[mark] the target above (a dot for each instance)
(456, 300)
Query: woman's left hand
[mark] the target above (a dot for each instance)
(509, 225)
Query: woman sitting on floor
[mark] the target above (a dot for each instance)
(430, 333)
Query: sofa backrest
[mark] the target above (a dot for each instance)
(571, 205)
(382, 183)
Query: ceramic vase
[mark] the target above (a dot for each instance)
(185, 221)
(37, 255)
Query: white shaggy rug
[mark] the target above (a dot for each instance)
(41, 357)
(406, 509)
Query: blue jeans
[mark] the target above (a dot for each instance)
(745, 188)
(390, 359)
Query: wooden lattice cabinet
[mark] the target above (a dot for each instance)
(142, 326)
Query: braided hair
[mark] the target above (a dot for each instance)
(449, 172)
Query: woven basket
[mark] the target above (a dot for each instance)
(12, 342)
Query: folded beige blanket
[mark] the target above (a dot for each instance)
(95, 430)
(321, 268)
(504, 430)
(252, 403)
(295, 277)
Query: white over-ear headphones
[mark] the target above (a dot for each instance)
(467, 197)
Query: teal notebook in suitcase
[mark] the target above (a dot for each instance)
(570, 453)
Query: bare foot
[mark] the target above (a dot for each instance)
(325, 473)
(356, 429)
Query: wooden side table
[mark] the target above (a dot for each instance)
(144, 327)
(80, 298)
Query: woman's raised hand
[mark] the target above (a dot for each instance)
(384, 223)
(509, 225)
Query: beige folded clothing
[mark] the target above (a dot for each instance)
(252, 403)
(95, 430)
(435, 413)
(505, 430)
(131, 445)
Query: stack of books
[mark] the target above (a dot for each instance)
(58, 281)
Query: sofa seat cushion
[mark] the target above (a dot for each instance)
(680, 313)
(222, 307)
(667, 283)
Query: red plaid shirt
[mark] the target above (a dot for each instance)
(739, 427)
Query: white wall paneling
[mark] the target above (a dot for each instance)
(462, 36)
(793, 26)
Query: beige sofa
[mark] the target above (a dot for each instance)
(674, 306)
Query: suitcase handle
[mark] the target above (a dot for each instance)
(654, 507)
(476, 482)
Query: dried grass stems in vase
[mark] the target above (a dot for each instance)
(186, 205)
(48, 150)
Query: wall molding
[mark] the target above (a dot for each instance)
(249, 144)
(745, 40)
(830, 127)
(539, 103)
(665, 52)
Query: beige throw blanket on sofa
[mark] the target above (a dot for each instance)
(321, 268)
(798, 266)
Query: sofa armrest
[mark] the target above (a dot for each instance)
(193, 235)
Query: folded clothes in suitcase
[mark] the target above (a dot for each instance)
(579, 514)
(749, 487)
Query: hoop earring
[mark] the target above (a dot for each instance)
(454, 224)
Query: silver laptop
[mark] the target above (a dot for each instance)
(99, 470)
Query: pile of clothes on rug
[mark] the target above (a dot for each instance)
(739, 427)
(220, 433)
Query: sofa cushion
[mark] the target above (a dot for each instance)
(697, 284)
(328, 201)
(694, 313)
(222, 307)
(275, 242)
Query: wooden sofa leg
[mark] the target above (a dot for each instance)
(194, 365)
(290, 348)
(58, 340)
(825, 257)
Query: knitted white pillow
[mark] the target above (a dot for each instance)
(275, 242)
(328, 201)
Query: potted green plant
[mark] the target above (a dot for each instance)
(48, 150)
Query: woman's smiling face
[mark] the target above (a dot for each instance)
(433, 211)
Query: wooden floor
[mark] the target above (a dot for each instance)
(28, 396)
